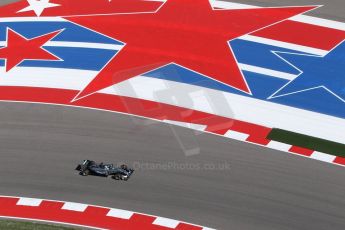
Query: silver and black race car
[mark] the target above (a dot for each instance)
(104, 170)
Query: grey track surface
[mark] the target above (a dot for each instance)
(262, 188)
(331, 9)
(3, 2)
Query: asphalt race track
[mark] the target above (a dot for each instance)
(228, 185)
(253, 188)
(332, 9)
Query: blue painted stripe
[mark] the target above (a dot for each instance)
(72, 32)
(250, 53)
(260, 55)
(262, 87)
(73, 58)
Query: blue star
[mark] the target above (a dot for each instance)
(316, 72)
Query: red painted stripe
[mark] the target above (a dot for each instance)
(288, 31)
(215, 124)
(91, 217)
(301, 151)
(339, 160)
(89, 7)
(303, 34)
(149, 109)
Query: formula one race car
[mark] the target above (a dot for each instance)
(92, 168)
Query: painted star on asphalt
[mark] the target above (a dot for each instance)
(19, 48)
(38, 6)
(316, 72)
(189, 33)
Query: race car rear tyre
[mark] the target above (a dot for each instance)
(116, 177)
(124, 167)
(84, 173)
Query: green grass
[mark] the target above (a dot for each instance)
(21, 225)
(317, 144)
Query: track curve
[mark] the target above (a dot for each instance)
(258, 189)
(252, 187)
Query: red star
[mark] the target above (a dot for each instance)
(19, 48)
(185, 32)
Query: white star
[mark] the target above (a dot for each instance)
(38, 6)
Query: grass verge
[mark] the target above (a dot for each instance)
(317, 144)
(23, 225)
